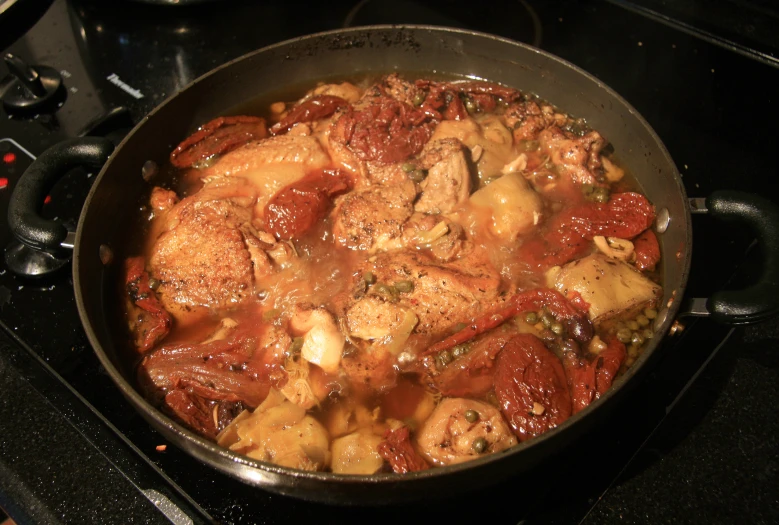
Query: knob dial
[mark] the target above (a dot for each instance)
(32, 89)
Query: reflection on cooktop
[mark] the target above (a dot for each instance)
(512, 18)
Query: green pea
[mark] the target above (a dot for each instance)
(404, 286)
(480, 445)
(633, 325)
(419, 98)
(637, 339)
(650, 313)
(642, 320)
(557, 328)
(647, 333)
(624, 335)
(369, 278)
(531, 318)
(417, 175)
(471, 416)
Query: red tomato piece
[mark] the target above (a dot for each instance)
(647, 250)
(154, 322)
(397, 450)
(531, 387)
(217, 137)
(298, 207)
(320, 106)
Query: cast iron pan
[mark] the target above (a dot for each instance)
(119, 187)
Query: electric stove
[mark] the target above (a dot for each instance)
(695, 441)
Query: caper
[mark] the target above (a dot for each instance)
(480, 445)
(446, 356)
(349, 350)
(547, 320)
(404, 286)
(419, 98)
(459, 326)
(528, 145)
(295, 345)
(154, 283)
(471, 416)
(637, 339)
(470, 105)
(600, 194)
(557, 328)
(587, 189)
(439, 363)
(624, 335)
(531, 318)
(388, 292)
(460, 350)
(642, 320)
(408, 167)
(633, 325)
(650, 313)
(369, 278)
(417, 175)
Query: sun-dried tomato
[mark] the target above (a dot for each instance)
(589, 380)
(320, 106)
(153, 322)
(397, 450)
(531, 387)
(647, 250)
(217, 137)
(298, 207)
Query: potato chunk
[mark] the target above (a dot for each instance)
(609, 286)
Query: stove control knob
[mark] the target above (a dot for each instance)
(33, 89)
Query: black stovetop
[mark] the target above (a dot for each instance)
(695, 441)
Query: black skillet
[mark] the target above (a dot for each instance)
(118, 188)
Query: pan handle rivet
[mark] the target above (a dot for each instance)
(106, 254)
(663, 220)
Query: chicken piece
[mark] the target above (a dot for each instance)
(323, 342)
(527, 119)
(372, 219)
(162, 200)
(271, 164)
(281, 433)
(448, 181)
(356, 453)
(447, 437)
(509, 205)
(208, 254)
(609, 286)
(392, 85)
(372, 369)
(441, 295)
(575, 157)
(445, 240)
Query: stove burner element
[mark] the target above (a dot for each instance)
(511, 18)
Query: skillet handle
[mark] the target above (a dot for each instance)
(760, 301)
(24, 217)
